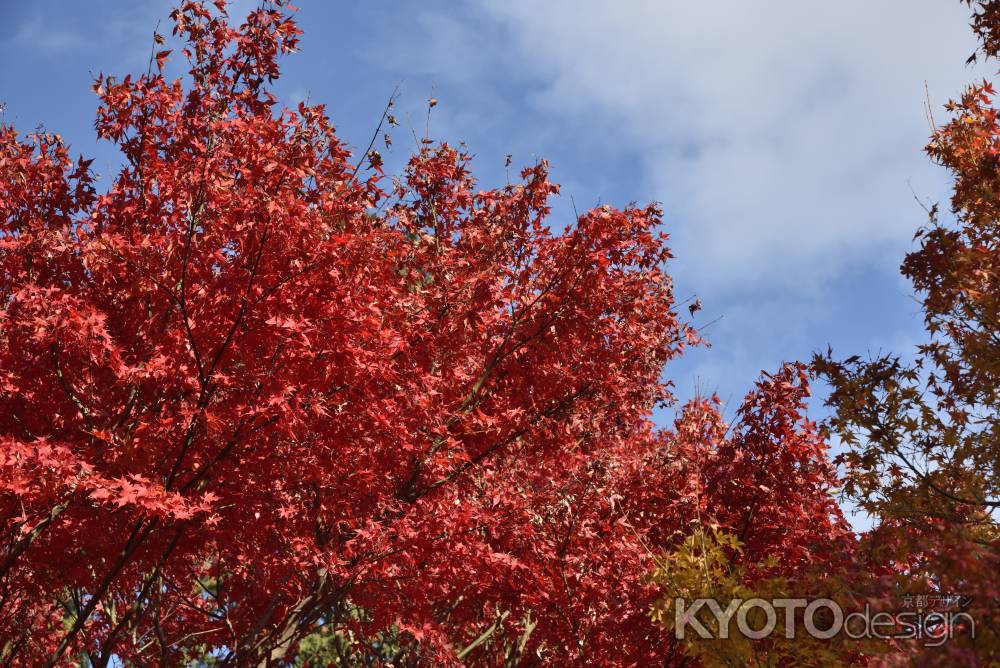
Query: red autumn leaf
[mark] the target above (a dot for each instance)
(161, 58)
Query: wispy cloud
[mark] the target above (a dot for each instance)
(783, 137)
(40, 35)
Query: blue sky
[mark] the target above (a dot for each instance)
(784, 139)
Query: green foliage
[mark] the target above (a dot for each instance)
(709, 564)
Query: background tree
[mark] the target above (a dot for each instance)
(764, 524)
(924, 438)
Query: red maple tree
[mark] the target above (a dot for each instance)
(251, 393)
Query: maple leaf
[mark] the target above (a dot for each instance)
(161, 58)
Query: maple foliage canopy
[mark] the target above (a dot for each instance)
(924, 436)
(252, 393)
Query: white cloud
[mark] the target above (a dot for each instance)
(35, 34)
(784, 137)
